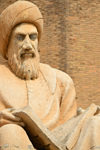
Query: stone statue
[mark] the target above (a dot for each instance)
(37, 103)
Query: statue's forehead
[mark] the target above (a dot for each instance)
(25, 28)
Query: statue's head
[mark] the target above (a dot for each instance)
(21, 26)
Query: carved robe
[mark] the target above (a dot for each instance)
(52, 98)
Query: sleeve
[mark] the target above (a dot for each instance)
(68, 107)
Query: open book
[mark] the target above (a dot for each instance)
(40, 136)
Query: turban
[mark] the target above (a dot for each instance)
(19, 12)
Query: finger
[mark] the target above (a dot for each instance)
(19, 123)
(9, 116)
(12, 109)
(4, 122)
(9, 109)
(15, 112)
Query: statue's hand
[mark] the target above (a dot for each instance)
(6, 117)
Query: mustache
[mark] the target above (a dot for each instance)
(28, 52)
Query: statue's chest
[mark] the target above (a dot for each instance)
(18, 93)
(38, 96)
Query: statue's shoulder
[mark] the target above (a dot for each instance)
(65, 82)
(60, 75)
(45, 68)
(63, 77)
(53, 76)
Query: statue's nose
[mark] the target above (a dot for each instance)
(27, 44)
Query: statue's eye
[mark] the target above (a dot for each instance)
(20, 37)
(33, 37)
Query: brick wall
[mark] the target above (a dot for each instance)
(71, 43)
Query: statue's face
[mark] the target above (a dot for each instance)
(22, 53)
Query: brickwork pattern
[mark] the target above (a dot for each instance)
(71, 43)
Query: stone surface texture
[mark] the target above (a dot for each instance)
(73, 47)
(38, 108)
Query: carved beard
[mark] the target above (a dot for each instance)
(27, 68)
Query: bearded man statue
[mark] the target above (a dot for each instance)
(23, 58)
(37, 102)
